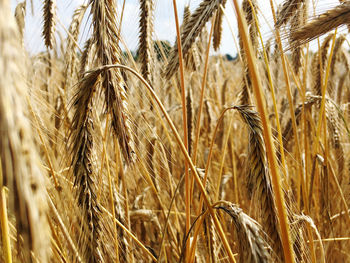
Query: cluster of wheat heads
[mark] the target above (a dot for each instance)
(172, 153)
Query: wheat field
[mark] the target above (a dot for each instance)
(171, 152)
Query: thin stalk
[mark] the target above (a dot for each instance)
(272, 89)
(306, 153)
(184, 117)
(111, 198)
(201, 100)
(290, 101)
(216, 196)
(270, 151)
(5, 226)
(207, 167)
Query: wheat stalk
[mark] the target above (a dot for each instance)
(189, 108)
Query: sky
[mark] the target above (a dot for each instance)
(164, 23)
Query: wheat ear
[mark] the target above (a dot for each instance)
(145, 40)
(20, 13)
(49, 10)
(258, 177)
(106, 37)
(71, 48)
(86, 59)
(248, 6)
(81, 148)
(252, 246)
(190, 32)
(319, 64)
(217, 35)
(298, 19)
(324, 23)
(289, 8)
(337, 52)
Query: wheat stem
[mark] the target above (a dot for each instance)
(184, 116)
(276, 179)
(5, 224)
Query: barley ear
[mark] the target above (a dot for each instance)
(289, 9)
